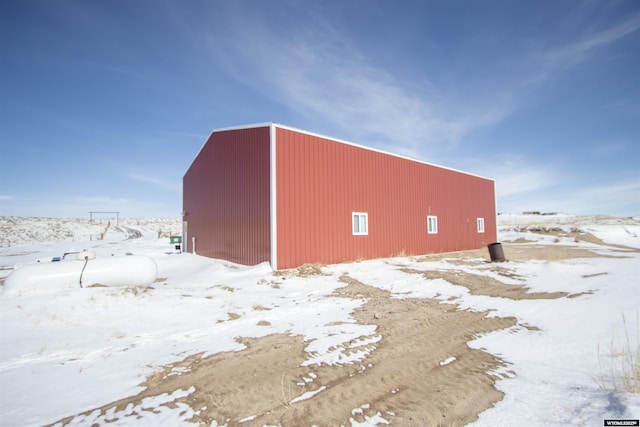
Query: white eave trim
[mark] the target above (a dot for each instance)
(364, 147)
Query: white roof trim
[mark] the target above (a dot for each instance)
(364, 147)
(250, 126)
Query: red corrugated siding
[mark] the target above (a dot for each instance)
(226, 197)
(321, 182)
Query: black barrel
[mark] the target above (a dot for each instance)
(495, 252)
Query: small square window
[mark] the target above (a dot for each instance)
(360, 223)
(432, 224)
(480, 225)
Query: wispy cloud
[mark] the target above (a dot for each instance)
(198, 136)
(79, 206)
(516, 177)
(615, 198)
(320, 74)
(623, 197)
(156, 181)
(70, 205)
(572, 53)
(515, 182)
(96, 202)
(4, 197)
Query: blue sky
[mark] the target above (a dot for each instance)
(104, 104)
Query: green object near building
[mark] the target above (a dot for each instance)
(175, 239)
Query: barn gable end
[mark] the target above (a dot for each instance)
(226, 197)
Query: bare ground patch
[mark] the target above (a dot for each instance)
(485, 285)
(402, 379)
(527, 252)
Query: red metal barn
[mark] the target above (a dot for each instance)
(273, 193)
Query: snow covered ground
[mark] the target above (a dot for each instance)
(64, 352)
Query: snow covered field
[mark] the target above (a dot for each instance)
(65, 354)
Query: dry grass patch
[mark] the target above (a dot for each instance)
(464, 257)
(305, 270)
(620, 369)
(587, 276)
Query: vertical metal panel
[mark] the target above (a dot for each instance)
(226, 196)
(320, 182)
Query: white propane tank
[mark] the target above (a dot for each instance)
(134, 270)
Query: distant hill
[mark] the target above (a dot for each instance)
(16, 230)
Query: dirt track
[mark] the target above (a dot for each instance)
(403, 380)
